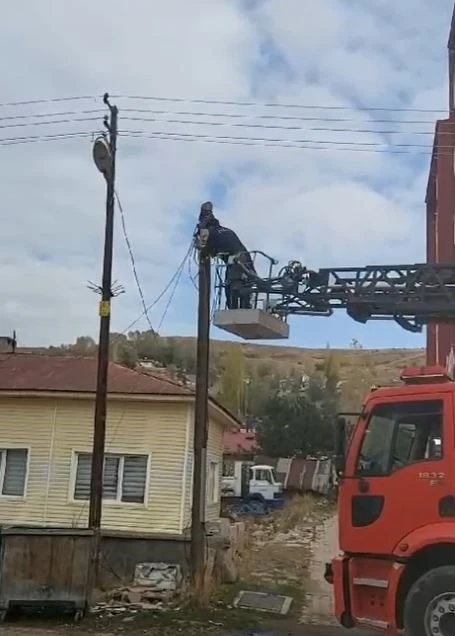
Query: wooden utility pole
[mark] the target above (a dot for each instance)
(104, 152)
(198, 539)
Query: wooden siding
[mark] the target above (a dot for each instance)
(56, 428)
(214, 453)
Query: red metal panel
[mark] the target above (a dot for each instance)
(441, 229)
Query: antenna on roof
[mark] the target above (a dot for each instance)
(10, 341)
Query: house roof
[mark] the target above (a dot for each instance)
(239, 442)
(45, 373)
(38, 372)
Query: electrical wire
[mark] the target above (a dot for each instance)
(191, 113)
(245, 141)
(171, 297)
(249, 104)
(279, 143)
(133, 261)
(176, 274)
(50, 122)
(50, 100)
(13, 141)
(248, 116)
(42, 116)
(295, 141)
(201, 122)
(220, 102)
(67, 113)
(317, 144)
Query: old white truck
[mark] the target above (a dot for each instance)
(252, 483)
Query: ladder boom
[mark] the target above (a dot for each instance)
(412, 295)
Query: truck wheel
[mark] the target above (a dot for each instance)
(430, 604)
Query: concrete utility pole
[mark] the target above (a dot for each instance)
(104, 152)
(198, 539)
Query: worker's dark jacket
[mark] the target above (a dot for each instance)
(224, 242)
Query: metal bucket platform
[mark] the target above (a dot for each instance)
(251, 324)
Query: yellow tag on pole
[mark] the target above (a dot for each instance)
(105, 308)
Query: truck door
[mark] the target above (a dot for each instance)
(399, 471)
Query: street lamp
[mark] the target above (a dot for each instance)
(102, 155)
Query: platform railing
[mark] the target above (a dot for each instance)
(259, 299)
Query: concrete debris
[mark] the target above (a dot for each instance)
(163, 579)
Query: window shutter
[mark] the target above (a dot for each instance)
(15, 472)
(134, 478)
(84, 472)
(110, 477)
(83, 475)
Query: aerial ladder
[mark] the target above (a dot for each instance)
(396, 501)
(411, 295)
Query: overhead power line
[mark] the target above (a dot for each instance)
(49, 100)
(314, 118)
(175, 276)
(133, 260)
(316, 144)
(200, 122)
(221, 102)
(277, 140)
(211, 115)
(49, 122)
(67, 113)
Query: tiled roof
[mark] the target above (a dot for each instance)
(239, 442)
(37, 372)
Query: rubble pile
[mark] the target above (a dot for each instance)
(154, 586)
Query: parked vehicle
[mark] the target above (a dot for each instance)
(253, 483)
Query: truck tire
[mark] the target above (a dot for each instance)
(430, 604)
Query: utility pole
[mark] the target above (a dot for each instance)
(104, 151)
(198, 539)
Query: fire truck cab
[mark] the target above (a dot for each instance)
(396, 509)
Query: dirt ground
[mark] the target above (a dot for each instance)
(285, 554)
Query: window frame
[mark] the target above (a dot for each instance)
(390, 469)
(3, 452)
(118, 500)
(215, 499)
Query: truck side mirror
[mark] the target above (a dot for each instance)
(340, 444)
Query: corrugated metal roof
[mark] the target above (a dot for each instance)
(38, 372)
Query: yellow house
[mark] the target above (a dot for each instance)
(46, 430)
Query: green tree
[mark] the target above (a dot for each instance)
(232, 377)
(330, 398)
(294, 426)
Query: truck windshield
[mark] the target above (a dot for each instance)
(399, 434)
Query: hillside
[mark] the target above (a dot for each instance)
(357, 368)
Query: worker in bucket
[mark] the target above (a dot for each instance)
(225, 244)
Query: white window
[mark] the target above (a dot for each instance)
(228, 468)
(213, 483)
(13, 471)
(124, 479)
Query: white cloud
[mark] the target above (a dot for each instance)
(327, 206)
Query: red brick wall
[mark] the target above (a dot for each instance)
(441, 228)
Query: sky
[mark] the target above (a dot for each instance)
(341, 185)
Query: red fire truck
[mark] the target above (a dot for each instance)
(396, 502)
